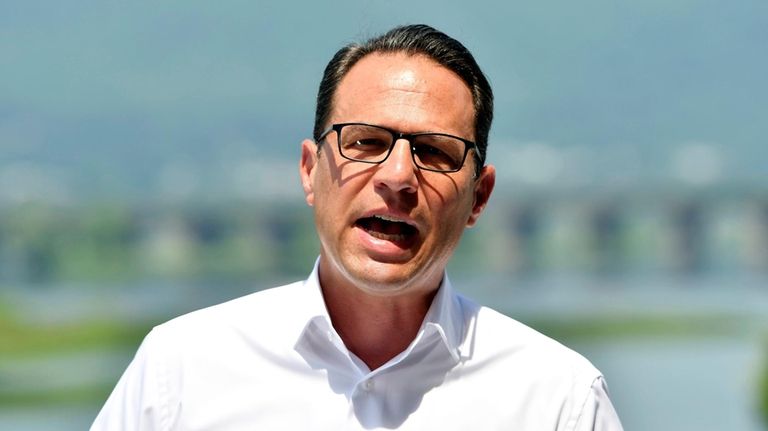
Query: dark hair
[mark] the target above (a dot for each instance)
(413, 40)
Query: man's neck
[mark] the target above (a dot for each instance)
(375, 328)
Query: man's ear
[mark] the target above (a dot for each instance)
(483, 188)
(307, 166)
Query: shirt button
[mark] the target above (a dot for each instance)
(368, 385)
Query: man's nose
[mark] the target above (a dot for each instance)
(398, 172)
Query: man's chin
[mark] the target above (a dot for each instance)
(391, 279)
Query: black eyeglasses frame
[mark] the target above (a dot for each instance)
(396, 135)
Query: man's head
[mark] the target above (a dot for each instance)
(391, 201)
(413, 40)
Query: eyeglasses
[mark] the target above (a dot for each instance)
(438, 152)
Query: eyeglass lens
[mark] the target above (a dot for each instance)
(372, 144)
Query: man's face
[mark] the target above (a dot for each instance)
(389, 229)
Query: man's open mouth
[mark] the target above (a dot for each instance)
(388, 229)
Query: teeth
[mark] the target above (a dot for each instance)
(387, 218)
(388, 236)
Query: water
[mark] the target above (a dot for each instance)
(679, 385)
(695, 381)
(47, 419)
(700, 384)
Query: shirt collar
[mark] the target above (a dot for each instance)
(445, 316)
(310, 304)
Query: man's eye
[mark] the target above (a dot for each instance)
(370, 143)
(428, 151)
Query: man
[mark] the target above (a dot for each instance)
(375, 337)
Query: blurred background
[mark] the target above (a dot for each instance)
(148, 167)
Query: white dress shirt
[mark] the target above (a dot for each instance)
(272, 361)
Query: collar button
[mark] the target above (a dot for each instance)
(368, 385)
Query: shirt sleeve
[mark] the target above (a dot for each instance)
(598, 413)
(141, 398)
